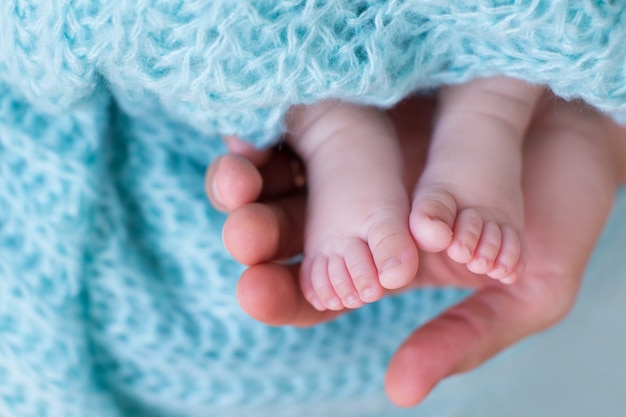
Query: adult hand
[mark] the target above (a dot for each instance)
(565, 210)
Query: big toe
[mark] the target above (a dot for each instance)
(432, 219)
(394, 252)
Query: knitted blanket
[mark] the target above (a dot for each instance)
(116, 296)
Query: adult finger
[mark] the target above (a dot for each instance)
(281, 169)
(271, 294)
(258, 233)
(237, 146)
(232, 181)
(464, 337)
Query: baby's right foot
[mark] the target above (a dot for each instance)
(352, 261)
(357, 239)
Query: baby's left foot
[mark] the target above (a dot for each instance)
(469, 198)
(474, 229)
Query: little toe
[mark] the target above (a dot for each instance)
(394, 252)
(306, 284)
(507, 265)
(342, 282)
(360, 264)
(322, 287)
(487, 249)
(432, 218)
(467, 230)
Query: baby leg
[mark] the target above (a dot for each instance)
(469, 198)
(357, 237)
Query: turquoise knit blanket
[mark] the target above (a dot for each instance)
(116, 296)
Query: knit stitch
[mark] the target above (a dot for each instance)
(235, 67)
(116, 296)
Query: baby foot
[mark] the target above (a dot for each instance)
(469, 198)
(357, 239)
(475, 228)
(361, 258)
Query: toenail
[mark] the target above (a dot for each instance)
(333, 303)
(352, 300)
(508, 280)
(498, 273)
(482, 262)
(390, 263)
(465, 253)
(368, 293)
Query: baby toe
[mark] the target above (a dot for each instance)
(467, 231)
(487, 249)
(507, 265)
(341, 282)
(394, 252)
(363, 273)
(321, 285)
(432, 218)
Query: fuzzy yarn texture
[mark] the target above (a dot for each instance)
(116, 295)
